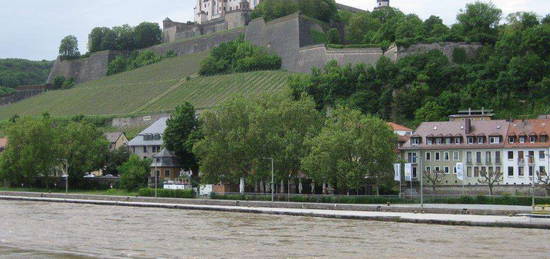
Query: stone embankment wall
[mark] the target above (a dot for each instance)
(138, 121)
(84, 69)
(23, 92)
(395, 53)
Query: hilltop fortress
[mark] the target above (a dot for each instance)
(290, 37)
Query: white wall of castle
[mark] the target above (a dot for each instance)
(206, 10)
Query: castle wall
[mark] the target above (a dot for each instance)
(318, 56)
(196, 45)
(84, 69)
(395, 53)
(23, 92)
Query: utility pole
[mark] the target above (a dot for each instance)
(272, 178)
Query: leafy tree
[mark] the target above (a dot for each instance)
(333, 36)
(546, 19)
(69, 47)
(16, 72)
(84, 149)
(134, 173)
(181, 133)
(96, 38)
(147, 34)
(349, 149)
(272, 9)
(324, 10)
(125, 37)
(115, 159)
(33, 151)
(480, 21)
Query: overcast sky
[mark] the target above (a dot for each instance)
(32, 29)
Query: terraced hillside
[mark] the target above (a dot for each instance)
(154, 88)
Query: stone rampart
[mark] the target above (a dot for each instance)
(199, 44)
(84, 69)
(138, 121)
(24, 92)
(395, 53)
(318, 55)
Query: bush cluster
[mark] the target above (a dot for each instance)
(238, 56)
(124, 37)
(60, 82)
(150, 192)
(134, 61)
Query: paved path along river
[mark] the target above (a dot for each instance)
(60, 230)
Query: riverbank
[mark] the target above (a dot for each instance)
(396, 213)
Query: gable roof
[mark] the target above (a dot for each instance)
(3, 143)
(397, 127)
(113, 137)
(537, 127)
(157, 127)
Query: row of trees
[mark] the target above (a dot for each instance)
(124, 37)
(40, 148)
(345, 148)
(16, 72)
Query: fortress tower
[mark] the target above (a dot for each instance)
(208, 10)
(382, 4)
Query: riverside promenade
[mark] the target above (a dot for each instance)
(443, 214)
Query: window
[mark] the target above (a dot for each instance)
(480, 140)
(158, 173)
(510, 155)
(521, 157)
(497, 169)
(532, 139)
(522, 139)
(411, 157)
(542, 155)
(542, 171)
(134, 150)
(469, 157)
(448, 141)
(447, 171)
(531, 156)
(428, 169)
(497, 157)
(521, 172)
(494, 140)
(470, 140)
(458, 140)
(429, 141)
(488, 157)
(447, 157)
(512, 140)
(510, 171)
(469, 172)
(167, 173)
(437, 156)
(543, 139)
(476, 171)
(456, 156)
(437, 169)
(531, 170)
(144, 149)
(438, 141)
(415, 141)
(428, 156)
(414, 172)
(478, 157)
(454, 170)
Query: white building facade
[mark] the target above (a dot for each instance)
(207, 10)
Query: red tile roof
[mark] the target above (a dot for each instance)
(3, 143)
(397, 127)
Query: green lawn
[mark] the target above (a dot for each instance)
(156, 88)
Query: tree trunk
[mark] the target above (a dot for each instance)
(241, 186)
(300, 186)
(312, 187)
(282, 186)
(262, 186)
(325, 188)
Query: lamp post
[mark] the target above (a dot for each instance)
(272, 178)
(66, 174)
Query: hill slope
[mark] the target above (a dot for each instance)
(154, 88)
(16, 72)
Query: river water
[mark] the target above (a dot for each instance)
(58, 230)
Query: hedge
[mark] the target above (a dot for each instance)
(150, 192)
(353, 46)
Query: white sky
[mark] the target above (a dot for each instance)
(32, 29)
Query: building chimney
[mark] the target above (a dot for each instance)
(467, 125)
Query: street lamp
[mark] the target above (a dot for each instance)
(66, 174)
(272, 178)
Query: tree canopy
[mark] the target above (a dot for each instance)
(181, 133)
(124, 37)
(324, 10)
(69, 47)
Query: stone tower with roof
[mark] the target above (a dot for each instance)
(382, 4)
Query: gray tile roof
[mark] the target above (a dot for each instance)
(165, 159)
(157, 127)
(112, 137)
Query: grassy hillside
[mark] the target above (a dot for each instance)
(154, 88)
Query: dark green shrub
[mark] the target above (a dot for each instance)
(333, 36)
(318, 37)
(460, 56)
(117, 65)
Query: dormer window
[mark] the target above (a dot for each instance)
(415, 141)
(494, 140)
(522, 139)
(480, 140)
(429, 141)
(438, 141)
(448, 141)
(532, 139)
(457, 140)
(470, 140)
(543, 139)
(511, 140)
